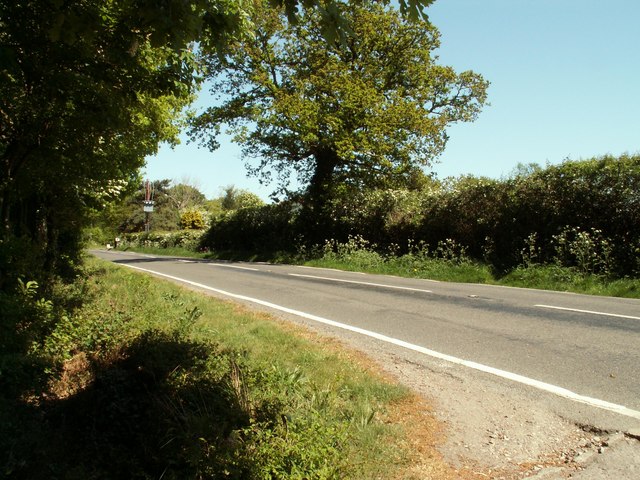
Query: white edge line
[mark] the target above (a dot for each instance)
(361, 283)
(588, 311)
(547, 387)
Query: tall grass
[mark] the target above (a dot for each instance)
(449, 262)
(148, 380)
(446, 263)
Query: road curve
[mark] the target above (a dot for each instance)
(582, 348)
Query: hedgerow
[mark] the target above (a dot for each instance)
(578, 214)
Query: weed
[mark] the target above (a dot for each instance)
(531, 252)
(144, 390)
(587, 250)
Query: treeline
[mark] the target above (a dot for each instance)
(178, 207)
(583, 214)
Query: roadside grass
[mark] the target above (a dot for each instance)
(231, 255)
(433, 269)
(554, 277)
(452, 268)
(542, 277)
(146, 379)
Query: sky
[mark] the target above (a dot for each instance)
(565, 84)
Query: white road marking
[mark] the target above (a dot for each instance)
(330, 269)
(121, 252)
(234, 266)
(589, 311)
(362, 283)
(547, 387)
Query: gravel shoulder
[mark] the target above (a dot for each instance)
(495, 429)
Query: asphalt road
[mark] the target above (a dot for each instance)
(582, 348)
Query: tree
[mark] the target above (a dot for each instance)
(88, 88)
(184, 196)
(234, 199)
(361, 113)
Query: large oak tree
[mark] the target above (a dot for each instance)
(362, 112)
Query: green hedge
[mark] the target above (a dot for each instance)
(189, 239)
(583, 214)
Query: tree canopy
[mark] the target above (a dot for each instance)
(88, 88)
(363, 112)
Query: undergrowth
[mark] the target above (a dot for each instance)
(137, 378)
(449, 261)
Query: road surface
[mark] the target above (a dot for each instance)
(582, 349)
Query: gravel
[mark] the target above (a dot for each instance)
(499, 430)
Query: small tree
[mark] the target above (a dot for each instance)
(234, 199)
(192, 220)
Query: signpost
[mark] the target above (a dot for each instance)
(147, 205)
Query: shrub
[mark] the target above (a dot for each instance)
(192, 220)
(188, 239)
(263, 228)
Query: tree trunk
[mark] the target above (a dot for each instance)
(318, 224)
(322, 180)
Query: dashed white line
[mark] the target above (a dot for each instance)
(361, 283)
(124, 252)
(547, 387)
(330, 269)
(237, 267)
(588, 311)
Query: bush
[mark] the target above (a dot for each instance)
(266, 228)
(188, 239)
(496, 220)
(192, 220)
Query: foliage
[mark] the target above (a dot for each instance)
(192, 220)
(189, 239)
(366, 112)
(145, 379)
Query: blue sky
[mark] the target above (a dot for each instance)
(565, 83)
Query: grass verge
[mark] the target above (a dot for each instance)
(139, 378)
(454, 268)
